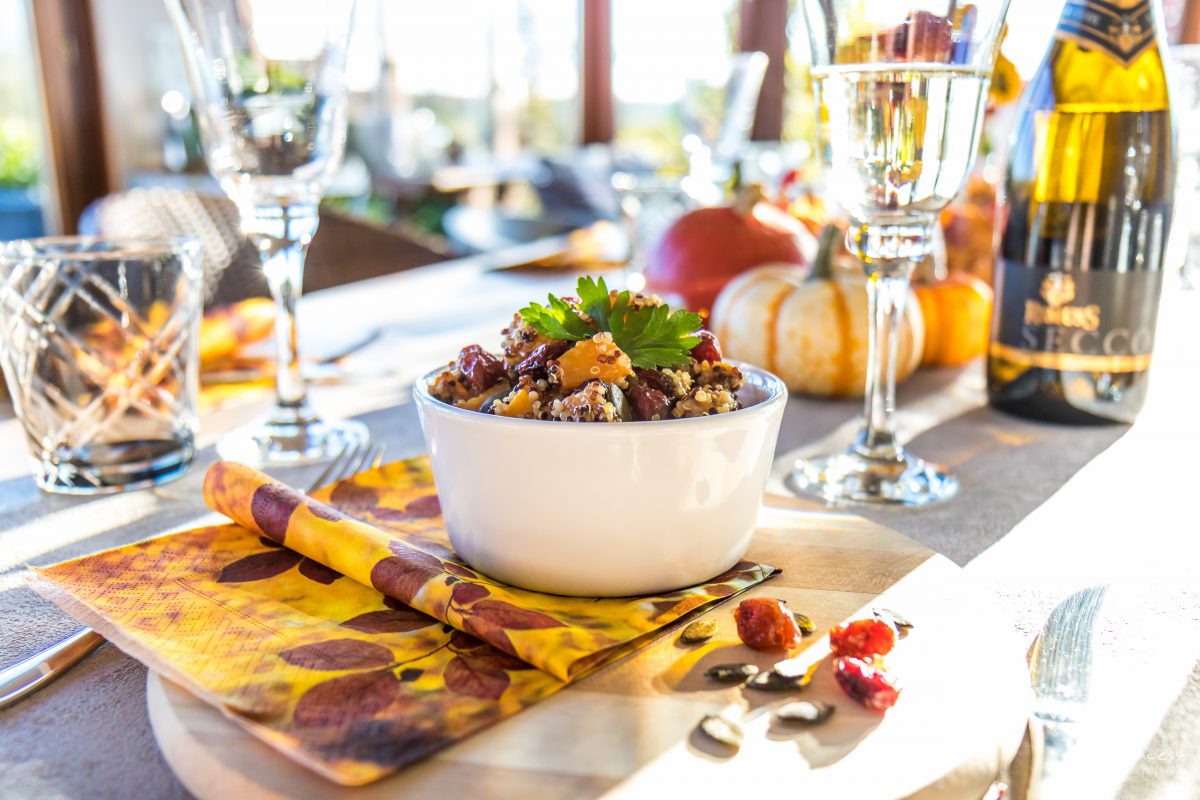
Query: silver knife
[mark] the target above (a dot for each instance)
(1061, 662)
(23, 679)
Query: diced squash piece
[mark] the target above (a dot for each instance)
(593, 358)
(473, 403)
(518, 406)
(476, 403)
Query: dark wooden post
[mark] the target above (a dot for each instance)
(597, 71)
(763, 26)
(1189, 26)
(71, 88)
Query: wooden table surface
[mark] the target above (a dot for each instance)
(1043, 511)
(630, 729)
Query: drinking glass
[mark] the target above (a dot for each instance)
(718, 114)
(270, 96)
(900, 88)
(99, 342)
(647, 203)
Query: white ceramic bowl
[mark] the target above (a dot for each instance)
(593, 509)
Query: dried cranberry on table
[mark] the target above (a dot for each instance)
(648, 402)
(862, 638)
(869, 685)
(536, 361)
(482, 369)
(708, 349)
(766, 624)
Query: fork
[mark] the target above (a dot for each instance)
(26, 677)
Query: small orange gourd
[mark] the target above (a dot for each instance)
(957, 313)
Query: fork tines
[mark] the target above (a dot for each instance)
(348, 463)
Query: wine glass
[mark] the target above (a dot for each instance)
(270, 97)
(900, 88)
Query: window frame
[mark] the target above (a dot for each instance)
(762, 25)
(76, 153)
(77, 156)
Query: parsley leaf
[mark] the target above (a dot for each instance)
(652, 336)
(559, 321)
(595, 300)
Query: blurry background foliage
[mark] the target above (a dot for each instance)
(18, 154)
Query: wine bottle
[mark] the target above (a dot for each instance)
(1083, 217)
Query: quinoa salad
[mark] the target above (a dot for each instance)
(604, 356)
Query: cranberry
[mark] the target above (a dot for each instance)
(862, 638)
(482, 369)
(536, 361)
(868, 685)
(709, 348)
(766, 624)
(648, 401)
(656, 379)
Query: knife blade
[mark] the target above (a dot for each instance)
(1061, 670)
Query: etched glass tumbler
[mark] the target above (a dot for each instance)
(99, 346)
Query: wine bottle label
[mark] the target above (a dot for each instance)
(1121, 28)
(1086, 321)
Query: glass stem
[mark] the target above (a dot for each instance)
(282, 235)
(630, 208)
(886, 295)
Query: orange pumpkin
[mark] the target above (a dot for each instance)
(957, 313)
(811, 332)
(706, 248)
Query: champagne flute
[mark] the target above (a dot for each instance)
(900, 87)
(270, 96)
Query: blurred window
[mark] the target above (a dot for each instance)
(474, 76)
(20, 127)
(668, 68)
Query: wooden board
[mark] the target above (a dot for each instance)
(629, 730)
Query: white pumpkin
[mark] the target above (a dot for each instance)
(811, 332)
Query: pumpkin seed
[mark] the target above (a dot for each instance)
(796, 669)
(620, 403)
(810, 712)
(699, 631)
(774, 682)
(805, 623)
(897, 621)
(732, 673)
(494, 394)
(722, 730)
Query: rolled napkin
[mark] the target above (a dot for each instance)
(276, 622)
(564, 636)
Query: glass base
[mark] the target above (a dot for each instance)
(853, 477)
(114, 467)
(291, 437)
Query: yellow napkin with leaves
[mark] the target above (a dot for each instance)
(343, 630)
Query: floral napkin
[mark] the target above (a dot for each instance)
(343, 630)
